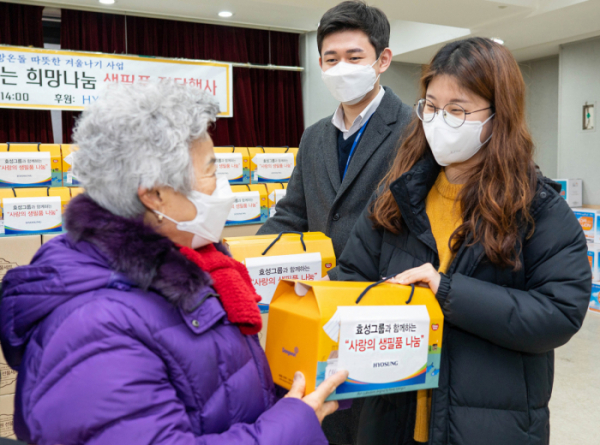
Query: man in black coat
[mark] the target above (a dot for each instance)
(343, 158)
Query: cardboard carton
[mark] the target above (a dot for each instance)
(387, 345)
(35, 210)
(589, 220)
(7, 413)
(286, 259)
(8, 377)
(30, 165)
(595, 300)
(234, 163)
(68, 179)
(48, 236)
(17, 251)
(271, 164)
(572, 191)
(250, 206)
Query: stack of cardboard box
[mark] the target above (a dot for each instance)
(589, 219)
(259, 177)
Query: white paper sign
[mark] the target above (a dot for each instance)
(45, 79)
(246, 207)
(32, 215)
(383, 344)
(230, 165)
(30, 168)
(273, 167)
(267, 271)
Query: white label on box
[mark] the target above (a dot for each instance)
(246, 207)
(32, 215)
(1, 227)
(25, 168)
(230, 165)
(273, 166)
(267, 271)
(383, 344)
(279, 194)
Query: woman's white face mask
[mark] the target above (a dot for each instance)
(211, 214)
(349, 83)
(453, 145)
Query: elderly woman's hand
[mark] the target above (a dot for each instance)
(316, 399)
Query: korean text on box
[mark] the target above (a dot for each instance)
(385, 344)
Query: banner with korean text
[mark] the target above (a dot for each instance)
(43, 79)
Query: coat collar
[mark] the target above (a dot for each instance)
(135, 250)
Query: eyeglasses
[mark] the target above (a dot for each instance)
(454, 115)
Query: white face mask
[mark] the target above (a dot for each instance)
(211, 214)
(453, 145)
(350, 83)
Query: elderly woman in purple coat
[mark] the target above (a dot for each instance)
(135, 327)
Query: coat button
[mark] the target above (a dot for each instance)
(408, 177)
(336, 217)
(543, 195)
(195, 323)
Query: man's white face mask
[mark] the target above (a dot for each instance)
(349, 83)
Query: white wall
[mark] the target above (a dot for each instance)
(318, 102)
(579, 150)
(402, 78)
(541, 79)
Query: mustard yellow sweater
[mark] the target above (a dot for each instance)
(445, 216)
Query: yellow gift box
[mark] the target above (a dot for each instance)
(245, 248)
(279, 166)
(302, 314)
(68, 179)
(250, 206)
(53, 178)
(235, 162)
(62, 192)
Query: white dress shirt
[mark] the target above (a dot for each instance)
(338, 117)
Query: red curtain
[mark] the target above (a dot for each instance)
(89, 31)
(21, 25)
(267, 105)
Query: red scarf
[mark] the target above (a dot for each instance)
(233, 284)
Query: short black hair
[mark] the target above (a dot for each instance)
(350, 15)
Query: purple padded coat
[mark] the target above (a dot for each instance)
(119, 339)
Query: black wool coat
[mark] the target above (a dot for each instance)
(501, 326)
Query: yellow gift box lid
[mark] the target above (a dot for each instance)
(243, 247)
(37, 192)
(253, 151)
(76, 191)
(260, 188)
(296, 340)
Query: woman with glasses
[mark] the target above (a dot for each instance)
(464, 212)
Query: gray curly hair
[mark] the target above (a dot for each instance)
(140, 136)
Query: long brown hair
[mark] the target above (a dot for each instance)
(496, 199)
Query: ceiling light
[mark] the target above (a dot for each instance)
(107, 2)
(497, 40)
(225, 14)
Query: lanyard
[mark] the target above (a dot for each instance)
(360, 132)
